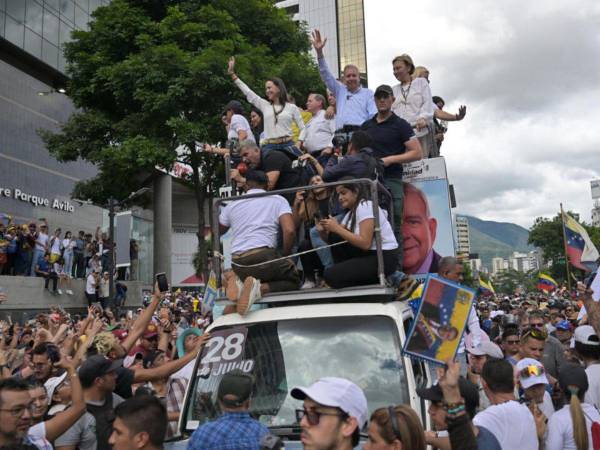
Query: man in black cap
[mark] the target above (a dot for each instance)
(394, 141)
(254, 224)
(235, 428)
(438, 411)
(98, 379)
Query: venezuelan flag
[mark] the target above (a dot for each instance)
(546, 283)
(580, 248)
(486, 287)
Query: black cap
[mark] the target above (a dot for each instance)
(384, 89)
(573, 378)
(258, 176)
(468, 391)
(235, 106)
(96, 366)
(150, 358)
(237, 384)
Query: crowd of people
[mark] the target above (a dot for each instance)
(33, 249)
(325, 236)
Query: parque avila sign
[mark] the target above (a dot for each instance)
(37, 200)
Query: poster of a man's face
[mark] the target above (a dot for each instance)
(426, 219)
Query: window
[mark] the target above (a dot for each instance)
(33, 18)
(291, 10)
(83, 4)
(2, 19)
(65, 33)
(14, 31)
(67, 10)
(291, 353)
(50, 53)
(50, 27)
(81, 18)
(53, 4)
(16, 9)
(33, 43)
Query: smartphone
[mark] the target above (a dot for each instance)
(163, 284)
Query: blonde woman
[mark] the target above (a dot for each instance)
(413, 102)
(570, 428)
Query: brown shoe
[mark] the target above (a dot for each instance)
(250, 293)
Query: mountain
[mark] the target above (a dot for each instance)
(490, 239)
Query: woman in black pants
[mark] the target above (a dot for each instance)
(356, 260)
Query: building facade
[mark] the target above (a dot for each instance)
(342, 22)
(463, 241)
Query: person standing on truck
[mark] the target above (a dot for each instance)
(235, 428)
(394, 142)
(254, 225)
(333, 413)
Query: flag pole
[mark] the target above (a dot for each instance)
(562, 217)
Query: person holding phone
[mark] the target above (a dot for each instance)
(356, 260)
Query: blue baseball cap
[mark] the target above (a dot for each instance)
(564, 325)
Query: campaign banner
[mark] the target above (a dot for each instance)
(427, 219)
(440, 322)
(224, 352)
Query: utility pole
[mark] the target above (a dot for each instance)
(111, 249)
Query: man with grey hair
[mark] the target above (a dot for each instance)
(355, 104)
(317, 136)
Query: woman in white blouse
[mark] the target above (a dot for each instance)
(278, 113)
(413, 102)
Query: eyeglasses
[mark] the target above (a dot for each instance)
(18, 411)
(38, 365)
(313, 417)
(531, 371)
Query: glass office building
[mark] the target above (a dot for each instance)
(342, 22)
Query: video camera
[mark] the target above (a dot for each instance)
(342, 137)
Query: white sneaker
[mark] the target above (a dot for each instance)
(60, 292)
(308, 284)
(250, 293)
(69, 292)
(233, 287)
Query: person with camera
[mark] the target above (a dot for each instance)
(356, 259)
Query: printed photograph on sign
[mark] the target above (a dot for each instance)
(440, 321)
(426, 218)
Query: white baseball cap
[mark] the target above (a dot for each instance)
(486, 348)
(337, 393)
(530, 378)
(585, 334)
(52, 383)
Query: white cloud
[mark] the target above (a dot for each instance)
(528, 74)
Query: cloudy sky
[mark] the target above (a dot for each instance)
(529, 73)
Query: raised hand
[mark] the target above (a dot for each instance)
(317, 42)
(462, 112)
(231, 66)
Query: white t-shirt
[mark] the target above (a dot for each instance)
(592, 396)
(239, 123)
(547, 407)
(68, 245)
(104, 288)
(90, 282)
(417, 104)
(56, 242)
(37, 435)
(254, 222)
(560, 428)
(41, 241)
(511, 423)
(365, 211)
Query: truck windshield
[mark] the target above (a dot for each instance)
(285, 354)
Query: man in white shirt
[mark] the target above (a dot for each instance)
(510, 423)
(254, 224)
(317, 136)
(587, 347)
(91, 284)
(41, 245)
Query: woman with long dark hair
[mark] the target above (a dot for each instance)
(570, 428)
(278, 113)
(356, 260)
(256, 123)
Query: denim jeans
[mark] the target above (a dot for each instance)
(37, 254)
(286, 147)
(324, 253)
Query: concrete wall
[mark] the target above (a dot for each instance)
(27, 297)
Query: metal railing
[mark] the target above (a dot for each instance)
(375, 188)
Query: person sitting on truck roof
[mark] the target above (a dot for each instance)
(334, 411)
(254, 224)
(235, 428)
(356, 261)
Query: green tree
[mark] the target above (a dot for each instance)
(149, 77)
(547, 234)
(507, 281)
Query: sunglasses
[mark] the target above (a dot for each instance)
(535, 333)
(313, 416)
(531, 371)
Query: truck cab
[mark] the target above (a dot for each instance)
(298, 337)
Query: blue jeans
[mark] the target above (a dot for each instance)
(324, 253)
(37, 254)
(287, 147)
